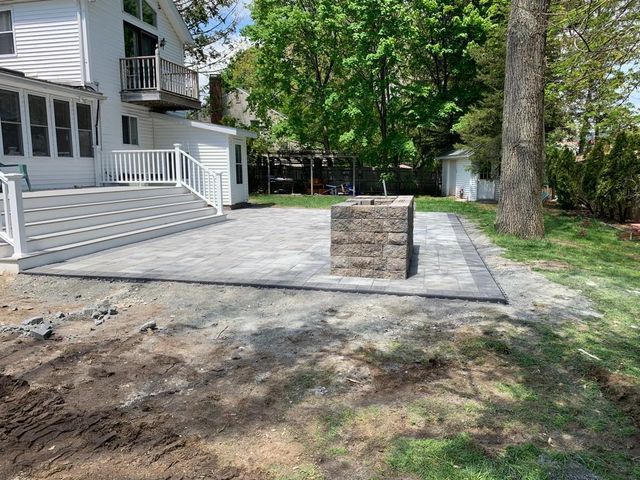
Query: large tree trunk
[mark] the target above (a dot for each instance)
(520, 208)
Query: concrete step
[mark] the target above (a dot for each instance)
(77, 235)
(60, 224)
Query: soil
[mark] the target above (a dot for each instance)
(240, 383)
(622, 390)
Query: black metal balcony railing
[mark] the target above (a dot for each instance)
(155, 73)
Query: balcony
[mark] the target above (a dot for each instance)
(158, 84)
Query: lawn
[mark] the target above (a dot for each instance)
(559, 386)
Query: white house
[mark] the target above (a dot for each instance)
(460, 181)
(91, 95)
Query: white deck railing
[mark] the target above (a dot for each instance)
(162, 167)
(12, 227)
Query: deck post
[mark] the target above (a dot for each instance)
(158, 70)
(353, 165)
(219, 198)
(178, 162)
(268, 175)
(16, 213)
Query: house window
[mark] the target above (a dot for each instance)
(85, 134)
(39, 126)
(239, 179)
(11, 122)
(129, 130)
(142, 10)
(62, 114)
(149, 15)
(7, 46)
(132, 7)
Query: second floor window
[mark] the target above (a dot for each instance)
(62, 114)
(142, 10)
(7, 46)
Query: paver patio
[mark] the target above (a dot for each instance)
(289, 248)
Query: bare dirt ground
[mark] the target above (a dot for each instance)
(246, 383)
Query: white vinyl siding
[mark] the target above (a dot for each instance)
(173, 47)
(47, 41)
(208, 147)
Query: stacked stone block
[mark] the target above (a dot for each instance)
(372, 237)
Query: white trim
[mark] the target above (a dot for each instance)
(16, 81)
(238, 132)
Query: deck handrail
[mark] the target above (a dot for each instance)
(200, 179)
(153, 72)
(164, 166)
(12, 224)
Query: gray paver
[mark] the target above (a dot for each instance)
(288, 247)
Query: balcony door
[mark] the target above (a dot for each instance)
(139, 73)
(137, 42)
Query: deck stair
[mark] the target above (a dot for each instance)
(63, 224)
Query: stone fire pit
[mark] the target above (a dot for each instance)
(372, 237)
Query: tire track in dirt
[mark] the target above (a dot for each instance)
(42, 437)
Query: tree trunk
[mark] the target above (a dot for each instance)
(520, 209)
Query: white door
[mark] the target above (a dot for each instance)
(486, 190)
(451, 190)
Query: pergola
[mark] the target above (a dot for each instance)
(311, 156)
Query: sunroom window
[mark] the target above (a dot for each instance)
(62, 116)
(39, 126)
(85, 133)
(11, 122)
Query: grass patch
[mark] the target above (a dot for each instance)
(297, 201)
(459, 458)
